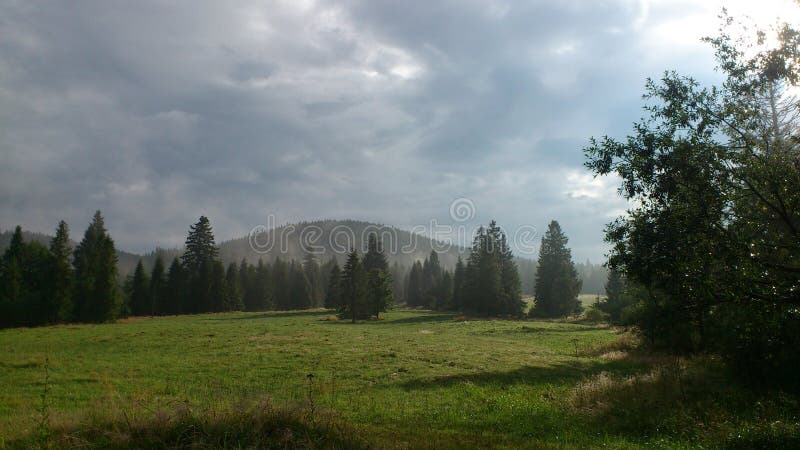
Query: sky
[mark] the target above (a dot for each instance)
(158, 112)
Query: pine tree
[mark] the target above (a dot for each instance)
(300, 297)
(615, 300)
(25, 282)
(333, 296)
(139, 299)
(354, 295)
(512, 287)
(458, 286)
(557, 282)
(399, 281)
(379, 280)
(281, 285)
(431, 278)
(444, 292)
(12, 293)
(234, 295)
(414, 293)
(199, 262)
(491, 281)
(176, 289)
(217, 299)
(157, 286)
(60, 306)
(265, 289)
(97, 296)
(200, 246)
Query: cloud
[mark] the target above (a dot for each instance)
(158, 112)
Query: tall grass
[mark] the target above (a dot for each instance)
(238, 425)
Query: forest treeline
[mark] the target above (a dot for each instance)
(593, 275)
(707, 259)
(56, 284)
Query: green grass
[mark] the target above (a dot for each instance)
(415, 379)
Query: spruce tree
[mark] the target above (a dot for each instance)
(444, 292)
(281, 285)
(245, 284)
(97, 297)
(512, 287)
(458, 286)
(333, 296)
(60, 306)
(431, 278)
(199, 261)
(12, 293)
(354, 295)
(173, 300)
(615, 300)
(234, 295)
(414, 293)
(200, 246)
(158, 283)
(491, 283)
(217, 298)
(300, 295)
(557, 282)
(265, 292)
(26, 282)
(139, 299)
(379, 280)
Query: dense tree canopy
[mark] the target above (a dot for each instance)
(712, 239)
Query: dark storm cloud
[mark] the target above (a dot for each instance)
(158, 112)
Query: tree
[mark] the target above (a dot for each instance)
(491, 280)
(431, 277)
(712, 242)
(97, 297)
(333, 296)
(300, 291)
(281, 285)
(173, 301)
(218, 300)
(444, 291)
(200, 246)
(557, 282)
(234, 294)
(158, 283)
(25, 279)
(354, 289)
(615, 300)
(414, 293)
(459, 286)
(379, 281)
(200, 266)
(59, 308)
(139, 294)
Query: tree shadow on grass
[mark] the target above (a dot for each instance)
(554, 373)
(274, 314)
(418, 319)
(423, 318)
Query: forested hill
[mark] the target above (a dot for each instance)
(330, 236)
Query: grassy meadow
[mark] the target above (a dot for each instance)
(415, 379)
